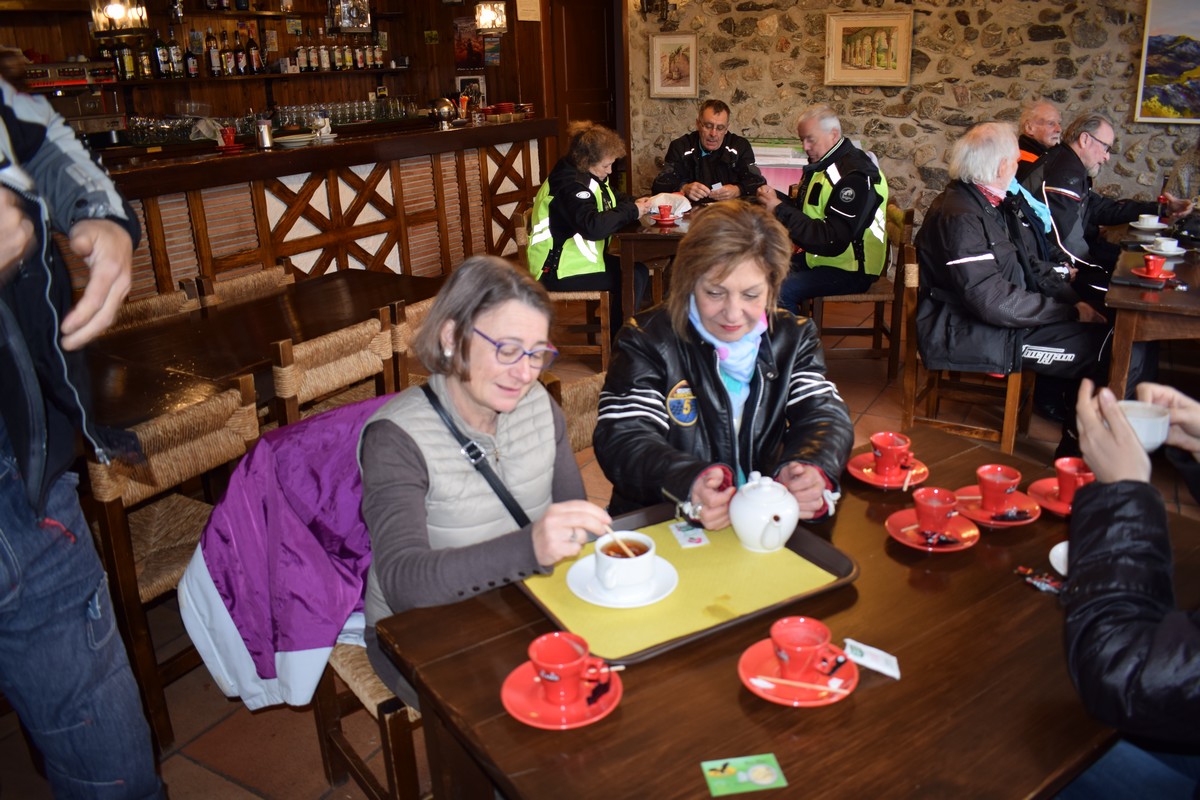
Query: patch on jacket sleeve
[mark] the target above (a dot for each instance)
(583, 195)
(846, 195)
(681, 405)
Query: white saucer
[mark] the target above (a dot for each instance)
(581, 580)
(1168, 253)
(1156, 226)
(1058, 558)
(295, 140)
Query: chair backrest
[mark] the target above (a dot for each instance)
(307, 370)
(521, 236)
(244, 287)
(181, 445)
(580, 403)
(145, 310)
(899, 231)
(405, 321)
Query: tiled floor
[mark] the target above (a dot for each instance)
(223, 751)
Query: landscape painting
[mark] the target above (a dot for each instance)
(1169, 83)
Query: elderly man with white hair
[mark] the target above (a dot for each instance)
(1041, 128)
(989, 300)
(837, 218)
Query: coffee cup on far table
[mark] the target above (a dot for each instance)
(891, 452)
(622, 577)
(1166, 244)
(228, 135)
(997, 482)
(802, 647)
(1073, 473)
(1154, 264)
(664, 211)
(1147, 220)
(1150, 422)
(935, 508)
(563, 666)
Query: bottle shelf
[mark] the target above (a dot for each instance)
(261, 76)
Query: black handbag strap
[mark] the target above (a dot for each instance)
(478, 459)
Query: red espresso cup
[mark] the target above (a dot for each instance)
(1073, 473)
(997, 482)
(563, 666)
(228, 134)
(802, 647)
(891, 452)
(664, 211)
(1154, 264)
(935, 508)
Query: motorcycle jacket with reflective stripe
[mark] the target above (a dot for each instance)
(577, 213)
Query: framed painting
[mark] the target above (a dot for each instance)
(474, 86)
(673, 65)
(1170, 63)
(868, 48)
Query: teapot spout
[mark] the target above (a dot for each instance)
(772, 537)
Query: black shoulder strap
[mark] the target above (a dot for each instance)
(478, 459)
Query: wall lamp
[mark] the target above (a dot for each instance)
(491, 17)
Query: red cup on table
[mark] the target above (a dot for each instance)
(802, 647)
(1154, 264)
(1073, 473)
(891, 451)
(935, 508)
(664, 211)
(997, 482)
(563, 666)
(228, 134)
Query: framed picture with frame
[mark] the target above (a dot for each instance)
(474, 86)
(868, 48)
(1169, 63)
(674, 65)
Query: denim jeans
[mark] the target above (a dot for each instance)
(1127, 772)
(804, 283)
(63, 665)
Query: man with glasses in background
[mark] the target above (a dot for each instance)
(1041, 129)
(710, 163)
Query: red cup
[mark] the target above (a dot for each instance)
(664, 211)
(802, 647)
(996, 483)
(891, 452)
(1073, 473)
(935, 507)
(563, 665)
(228, 134)
(1154, 264)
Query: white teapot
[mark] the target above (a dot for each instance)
(764, 514)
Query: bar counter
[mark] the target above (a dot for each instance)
(417, 202)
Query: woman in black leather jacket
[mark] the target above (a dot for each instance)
(1133, 654)
(718, 382)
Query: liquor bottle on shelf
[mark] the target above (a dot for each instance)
(175, 10)
(313, 57)
(145, 61)
(347, 52)
(174, 53)
(160, 60)
(228, 67)
(301, 54)
(323, 52)
(212, 5)
(242, 5)
(126, 62)
(240, 63)
(360, 57)
(377, 52)
(335, 53)
(226, 5)
(254, 63)
(213, 55)
(191, 64)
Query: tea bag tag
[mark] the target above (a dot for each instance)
(872, 658)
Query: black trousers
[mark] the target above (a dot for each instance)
(1078, 350)
(610, 281)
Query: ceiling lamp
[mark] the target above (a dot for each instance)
(491, 17)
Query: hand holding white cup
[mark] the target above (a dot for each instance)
(1150, 422)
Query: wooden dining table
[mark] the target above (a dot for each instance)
(642, 241)
(140, 372)
(984, 706)
(1151, 314)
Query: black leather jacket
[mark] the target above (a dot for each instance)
(976, 297)
(665, 416)
(731, 163)
(1132, 653)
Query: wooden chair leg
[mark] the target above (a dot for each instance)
(605, 331)
(895, 340)
(877, 328)
(1012, 407)
(396, 741)
(327, 713)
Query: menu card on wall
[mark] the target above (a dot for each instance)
(529, 11)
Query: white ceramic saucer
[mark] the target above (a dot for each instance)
(1154, 226)
(581, 580)
(1149, 248)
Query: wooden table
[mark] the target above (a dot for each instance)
(984, 708)
(1148, 315)
(643, 241)
(181, 356)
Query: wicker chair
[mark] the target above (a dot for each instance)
(889, 288)
(1012, 392)
(146, 533)
(315, 369)
(146, 310)
(244, 287)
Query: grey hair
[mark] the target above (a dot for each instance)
(823, 114)
(1030, 113)
(1085, 123)
(977, 155)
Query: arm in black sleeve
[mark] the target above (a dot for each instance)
(847, 215)
(584, 218)
(1106, 211)
(674, 173)
(749, 176)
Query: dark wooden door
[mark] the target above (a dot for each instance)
(585, 61)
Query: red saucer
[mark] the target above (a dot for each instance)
(1045, 493)
(1019, 501)
(665, 221)
(759, 660)
(960, 527)
(523, 699)
(230, 149)
(862, 466)
(1141, 272)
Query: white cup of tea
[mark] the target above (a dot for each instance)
(1149, 421)
(1147, 220)
(1166, 244)
(621, 576)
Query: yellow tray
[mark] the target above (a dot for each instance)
(719, 584)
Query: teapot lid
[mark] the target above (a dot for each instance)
(757, 482)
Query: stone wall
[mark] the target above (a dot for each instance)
(972, 60)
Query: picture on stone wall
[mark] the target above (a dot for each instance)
(868, 49)
(673, 65)
(1169, 82)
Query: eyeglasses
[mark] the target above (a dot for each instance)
(711, 128)
(1106, 145)
(509, 353)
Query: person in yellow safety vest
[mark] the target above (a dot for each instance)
(574, 214)
(837, 220)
